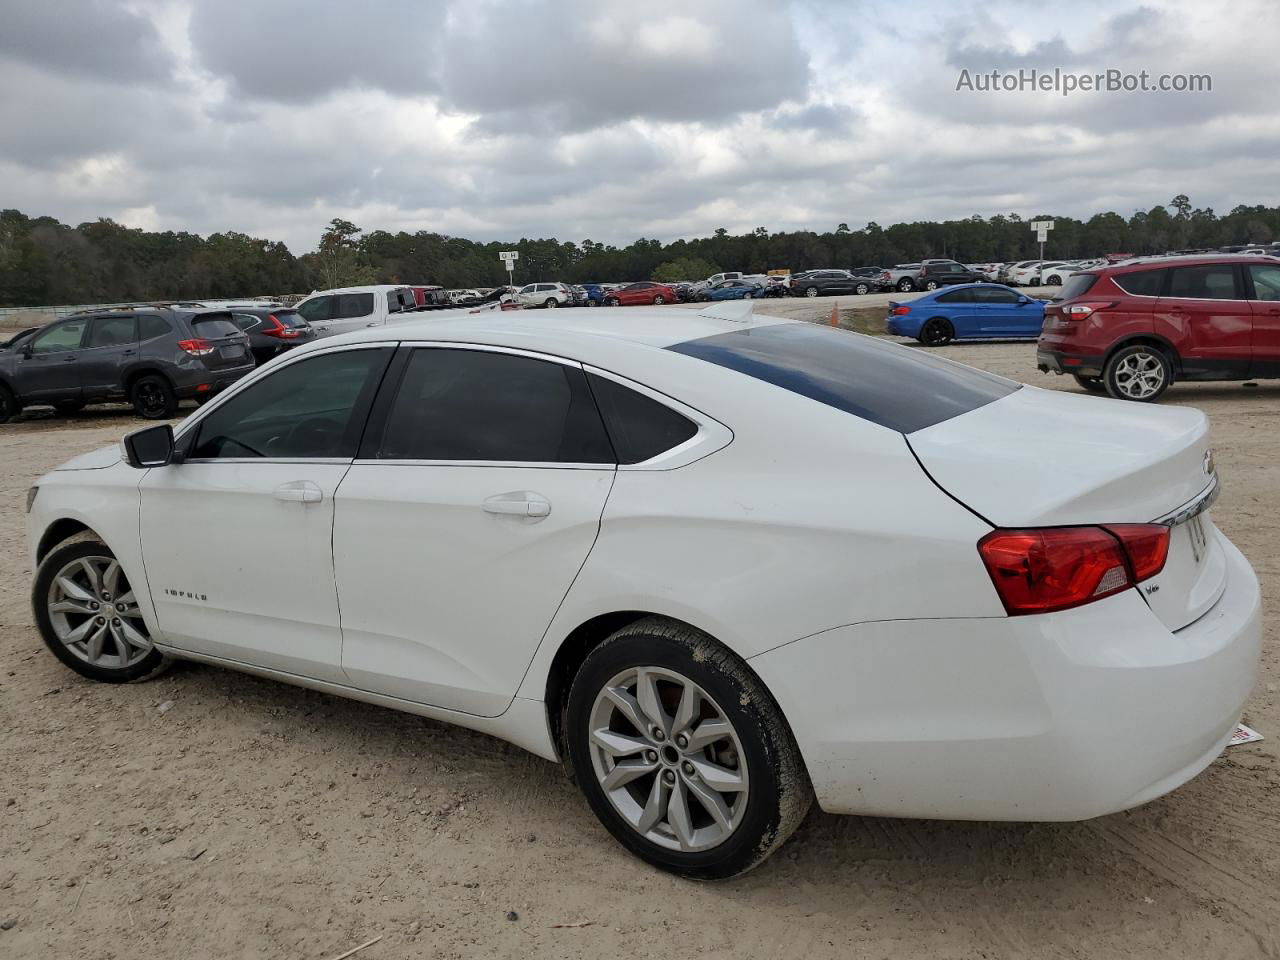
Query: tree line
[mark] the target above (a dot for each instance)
(43, 261)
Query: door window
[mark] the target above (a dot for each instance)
(63, 337)
(318, 308)
(311, 409)
(112, 331)
(347, 306)
(993, 295)
(1144, 283)
(1266, 281)
(1214, 281)
(475, 405)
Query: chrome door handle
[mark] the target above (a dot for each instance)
(520, 503)
(298, 491)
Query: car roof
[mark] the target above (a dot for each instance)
(1199, 260)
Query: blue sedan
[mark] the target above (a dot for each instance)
(731, 290)
(971, 311)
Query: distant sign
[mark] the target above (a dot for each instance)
(1041, 229)
(509, 255)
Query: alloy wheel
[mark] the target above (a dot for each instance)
(95, 614)
(151, 398)
(668, 759)
(1139, 375)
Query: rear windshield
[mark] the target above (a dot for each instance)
(1076, 285)
(902, 388)
(214, 325)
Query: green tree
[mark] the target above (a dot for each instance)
(684, 268)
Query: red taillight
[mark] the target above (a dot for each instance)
(1054, 568)
(198, 347)
(899, 311)
(1080, 311)
(1147, 545)
(272, 327)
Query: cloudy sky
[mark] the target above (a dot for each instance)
(615, 119)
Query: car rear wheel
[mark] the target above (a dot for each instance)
(89, 618)
(905, 285)
(612, 301)
(153, 398)
(659, 300)
(551, 303)
(592, 303)
(1092, 384)
(682, 753)
(937, 332)
(931, 284)
(9, 406)
(1140, 372)
(862, 289)
(811, 291)
(1053, 280)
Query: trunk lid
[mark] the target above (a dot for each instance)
(1041, 458)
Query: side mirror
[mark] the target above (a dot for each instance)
(1023, 300)
(26, 351)
(149, 447)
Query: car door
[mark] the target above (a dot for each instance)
(236, 537)
(49, 366)
(1205, 314)
(109, 350)
(958, 307)
(480, 487)
(318, 312)
(1265, 300)
(1002, 312)
(634, 294)
(525, 294)
(353, 311)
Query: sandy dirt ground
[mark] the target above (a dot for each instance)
(209, 814)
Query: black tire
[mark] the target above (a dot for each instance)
(931, 284)
(68, 407)
(592, 303)
(9, 406)
(778, 790)
(937, 332)
(1054, 280)
(1121, 385)
(862, 289)
(810, 291)
(153, 398)
(152, 664)
(906, 285)
(659, 300)
(612, 302)
(551, 303)
(1092, 384)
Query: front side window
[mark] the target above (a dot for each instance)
(473, 405)
(63, 337)
(1266, 281)
(1213, 281)
(314, 408)
(994, 295)
(112, 331)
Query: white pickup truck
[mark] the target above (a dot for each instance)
(331, 312)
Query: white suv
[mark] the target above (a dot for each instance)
(548, 295)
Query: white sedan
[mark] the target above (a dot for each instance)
(717, 564)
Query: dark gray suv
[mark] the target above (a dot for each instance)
(153, 358)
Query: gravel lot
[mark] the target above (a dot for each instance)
(209, 814)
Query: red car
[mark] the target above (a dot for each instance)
(1134, 329)
(644, 292)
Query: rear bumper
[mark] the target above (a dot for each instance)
(903, 326)
(210, 381)
(1064, 716)
(1057, 361)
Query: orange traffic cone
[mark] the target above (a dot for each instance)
(835, 314)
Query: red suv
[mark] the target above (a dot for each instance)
(1132, 330)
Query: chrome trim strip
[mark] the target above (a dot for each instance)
(1197, 505)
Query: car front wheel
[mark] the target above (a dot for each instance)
(905, 285)
(88, 615)
(861, 289)
(611, 301)
(931, 285)
(811, 291)
(659, 300)
(682, 753)
(1140, 372)
(1092, 384)
(9, 406)
(551, 303)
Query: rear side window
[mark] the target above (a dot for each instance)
(112, 331)
(639, 427)
(1078, 284)
(894, 386)
(349, 305)
(1211, 281)
(151, 326)
(214, 326)
(476, 405)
